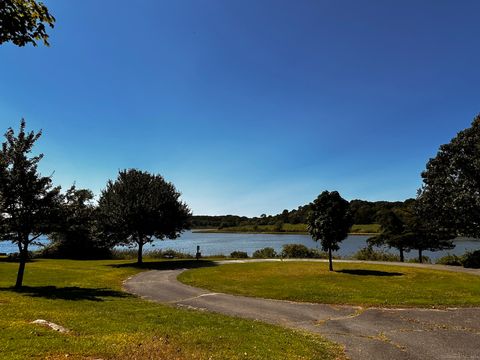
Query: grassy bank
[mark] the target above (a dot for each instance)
(361, 229)
(357, 284)
(86, 297)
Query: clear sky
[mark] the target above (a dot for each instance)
(248, 106)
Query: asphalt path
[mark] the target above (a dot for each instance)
(366, 333)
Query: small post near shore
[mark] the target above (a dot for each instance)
(198, 255)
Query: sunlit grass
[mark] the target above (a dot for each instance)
(86, 297)
(358, 284)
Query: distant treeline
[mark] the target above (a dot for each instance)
(364, 212)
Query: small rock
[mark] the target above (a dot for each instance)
(51, 325)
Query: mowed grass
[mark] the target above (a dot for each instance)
(350, 283)
(106, 323)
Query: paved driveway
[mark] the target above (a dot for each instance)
(367, 333)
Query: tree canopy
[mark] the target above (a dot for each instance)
(24, 21)
(329, 221)
(28, 201)
(138, 207)
(76, 236)
(451, 190)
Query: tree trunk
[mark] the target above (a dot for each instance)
(402, 258)
(330, 259)
(21, 266)
(140, 253)
(420, 257)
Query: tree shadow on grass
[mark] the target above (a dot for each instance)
(363, 272)
(67, 293)
(168, 264)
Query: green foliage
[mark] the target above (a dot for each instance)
(130, 254)
(295, 251)
(76, 235)
(265, 253)
(300, 251)
(23, 22)
(471, 259)
(140, 207)
(329, 221)
(451, 191)
(239, 255)
(450, 259)
(29, 203)
(367, 253)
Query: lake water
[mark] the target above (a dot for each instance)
(214, 244)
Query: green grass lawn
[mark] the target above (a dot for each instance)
(86, 297)
(358, 284)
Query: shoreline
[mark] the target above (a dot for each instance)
(217, 231)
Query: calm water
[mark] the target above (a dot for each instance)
(213, 244)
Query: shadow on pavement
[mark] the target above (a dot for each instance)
(368, 272)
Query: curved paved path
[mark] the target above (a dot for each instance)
(367, 333)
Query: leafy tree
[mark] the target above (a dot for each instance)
(451, 190)
(329, 221)
(139, 207)
(393, 233)
(23, 22)
(422, 231)
(76, 236)
(28, 202)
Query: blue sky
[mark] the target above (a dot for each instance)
(249, 107)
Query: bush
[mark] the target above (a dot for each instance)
(131, 254)
(299, 251)
(77, 251)
(471, 259)
(367, 253)
(239, 255)
(450, 260)
(265, 253)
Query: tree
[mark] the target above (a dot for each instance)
(329, 221)
(422, 232)
(139, 207)
(28, 202)
(393, 233)
(451, 184)
(76, 236)
(23, 22)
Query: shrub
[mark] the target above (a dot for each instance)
(265, 253)
(239, 255)
(295, 251)
(450, 260)
(471, 259)
(367, 253)
(131, 254)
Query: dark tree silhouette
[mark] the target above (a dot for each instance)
(76, 236)
(393, 234)
(28, 202)
(329, 221)
(23, 22)
(139, 207)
